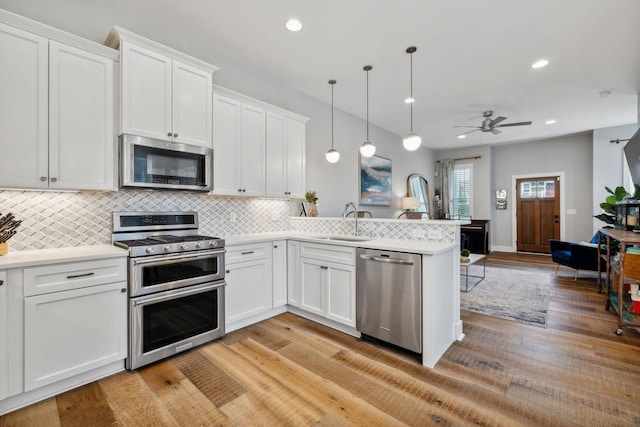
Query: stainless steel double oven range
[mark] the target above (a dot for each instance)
(176, 283)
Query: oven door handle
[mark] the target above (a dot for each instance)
(169, 295)
(172, 259)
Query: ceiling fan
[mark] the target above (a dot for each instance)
(491, 125)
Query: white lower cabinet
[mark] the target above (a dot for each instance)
(71, 332)
(248, 274)
(293, 273)
(279, 273)
(328, 288)
(4, 345)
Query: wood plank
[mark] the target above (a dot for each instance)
(87, 406)
(43, 413)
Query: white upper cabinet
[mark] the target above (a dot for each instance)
(258, 149)
(285, 156)
(165, 94)
(81, 139)
(238, 148)
(57, 106)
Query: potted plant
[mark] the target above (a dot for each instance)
(312, 199)
(464, 255)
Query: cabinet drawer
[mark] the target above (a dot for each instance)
(330, 253)
(73, 275)
(247, 252)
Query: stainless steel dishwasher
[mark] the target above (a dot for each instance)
(389, 297)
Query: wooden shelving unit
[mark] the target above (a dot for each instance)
(625, 270)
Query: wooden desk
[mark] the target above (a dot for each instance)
(618, 299)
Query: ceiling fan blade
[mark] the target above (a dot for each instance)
(496, 131)
(497, 120)
(475, 130)
(515, 124)
(467, 127)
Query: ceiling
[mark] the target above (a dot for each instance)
(473, 55)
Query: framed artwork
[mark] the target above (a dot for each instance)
(375, 181)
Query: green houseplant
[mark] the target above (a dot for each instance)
(312, 199)
(609, 205)
(464, 255)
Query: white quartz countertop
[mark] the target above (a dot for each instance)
(425, 247)
(18, 259)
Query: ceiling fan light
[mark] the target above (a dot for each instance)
(409, 100)
(293, 25)
(540, 64)
(550, 122)
(462, 136)
(332, 155)
(411, 142)
(367, 149)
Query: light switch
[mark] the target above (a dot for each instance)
(571, 212)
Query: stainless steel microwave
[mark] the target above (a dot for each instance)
(164, 165)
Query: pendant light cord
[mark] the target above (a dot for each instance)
(367, 105)
(411, 90)
(332, 115)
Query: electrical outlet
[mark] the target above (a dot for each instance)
(417, 234)
(434, 234)
(232, 217)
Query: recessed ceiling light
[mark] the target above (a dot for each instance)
(462, 136)
(409, 100)
(293, 25)
(540, 63)
(549, 122)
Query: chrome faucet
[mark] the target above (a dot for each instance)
(355, 214)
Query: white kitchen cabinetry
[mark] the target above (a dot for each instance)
(72, 331)
(248, 274)
(165, 93)
(328, 282)
(238, 147)
(285, 156)
(279, 273)
(293, 273)
(4, 343)
(57, 105)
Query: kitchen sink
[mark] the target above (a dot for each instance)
(345, 238)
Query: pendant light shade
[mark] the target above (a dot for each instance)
(332, 155)
(367, 149)
(411, 142)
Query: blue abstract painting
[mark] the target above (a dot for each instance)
(375, 181)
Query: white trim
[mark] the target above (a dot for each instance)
(514, 223)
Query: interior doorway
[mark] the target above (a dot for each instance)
(537, 210)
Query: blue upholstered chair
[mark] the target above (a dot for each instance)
(577, 256)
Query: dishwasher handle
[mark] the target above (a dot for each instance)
(387, 260)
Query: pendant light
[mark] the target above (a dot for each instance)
(412, 141)
(367, 149)
(332, 155)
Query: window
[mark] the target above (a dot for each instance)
(462, 191)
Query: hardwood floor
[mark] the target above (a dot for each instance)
(292, 371)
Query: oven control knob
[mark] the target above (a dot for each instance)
(150, 250)
(167, 248)
(198, 245)
(213, 243)
(184, 246)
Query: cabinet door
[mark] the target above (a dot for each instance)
(312, 285)
(276, 155)
(23, 109)
(191, 116)
(341, 294)
(81, 119)
(71, 332)
(252, 168)
(227, 137)
(293, 273)
(279, 273)
(249, 289)
(146, 92)
(4, 344)
(295, 158)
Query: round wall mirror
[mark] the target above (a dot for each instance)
(418, 187)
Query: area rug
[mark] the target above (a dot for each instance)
(517, 295)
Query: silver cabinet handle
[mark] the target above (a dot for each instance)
(43, 178)
(169, 134)
(175, 135)
(54, 179)
(247, 253)
(75, 276)
(387, 260)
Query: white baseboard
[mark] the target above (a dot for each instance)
(502, 249)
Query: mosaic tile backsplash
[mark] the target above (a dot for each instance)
(55, 219)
